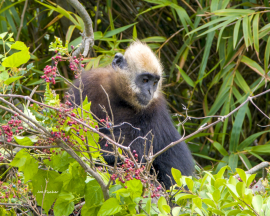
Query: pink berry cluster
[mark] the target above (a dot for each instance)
(12, 190)
(129, 172)
(155, 191)
(74, 65)
(14, 126)
(49, 74)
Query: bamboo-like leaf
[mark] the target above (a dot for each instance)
(266, 56)
(250, 140)
(224, 4)
(134, 33)
(237, 128)
(256, 33)
(11, 5)
(245, 30)
(214, 5)
(208, 24)
(233, 161)
(186, 77)
(249, 29)
(235, 32)
(245, 159)
(233, 12)
(240, 81)
(206, 53)
(118, 30)
(221, 25)
(262, 149)
(55, 19)
(253, 65)
(69, 32)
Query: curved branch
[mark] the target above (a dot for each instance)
(88, 34)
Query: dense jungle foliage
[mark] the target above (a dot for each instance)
(216, 60)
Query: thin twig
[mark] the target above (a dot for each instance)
(22, 18)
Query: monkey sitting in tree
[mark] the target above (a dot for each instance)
(133, 84)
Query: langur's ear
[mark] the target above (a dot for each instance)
(119, 61)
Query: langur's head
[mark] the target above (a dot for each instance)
(139, 72)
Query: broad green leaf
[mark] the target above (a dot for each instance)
(93, 193)
(20, 158)
(46, 179)
(110, 207)
(16, 59)
(257, 203)
(64, 204)
(177, 176)
(198, 202)
(18, 45)
(176, 211)
(118, 30)
(235, 32)
(161, 202)
(148, 206)
(25, 141)
(250, 180)
(166, 208)
(209, 203)
(189, 183)
(4, 76)
(216, 196)
(12, 79)
(242, 175)
(240, 188)
(220, 173)
(256, 33)
(186, 77)
(182, 196)
(220, 148)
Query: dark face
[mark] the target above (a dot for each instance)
(147, 83)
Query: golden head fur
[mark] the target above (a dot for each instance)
(140, 59)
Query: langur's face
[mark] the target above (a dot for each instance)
(147, 84)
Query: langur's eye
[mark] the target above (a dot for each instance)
(145, 80)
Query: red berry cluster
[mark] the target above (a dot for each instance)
(14, 126)
(49, 73)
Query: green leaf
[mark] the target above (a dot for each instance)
(242, 174)
(161, 203)
(189, 183)
(4, 76)
(118, 30)
(245, 31)
(257, 203)
(186, 77)
(25, 141)
(235, 32)
(177, 176)
(155, 39)
(209, 202)
(220, 148)
(237, 128)
(12, 79)
(266, 56)
(110, 207)
(16, 59)
(18, 45)
(2, 35)
(233, 161)
(262, 149)
(148, 206)
(233, 12)
(20, 158)
(166, 208)
(253, 65)
(46, 179)
(250, 140)
(206, 53)
(216, 195)
(176, 211)
(134, 33)
(256, 33)
(198, 202)
(240, 188)
(250, 179)
(64, 205)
